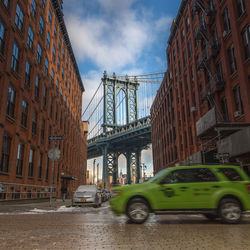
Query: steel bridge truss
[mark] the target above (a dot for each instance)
(112, 85)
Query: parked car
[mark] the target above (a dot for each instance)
(216, 191)
(87, 195)
(105, 195)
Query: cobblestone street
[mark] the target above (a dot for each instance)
(41, 226)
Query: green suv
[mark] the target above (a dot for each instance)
(217, 191)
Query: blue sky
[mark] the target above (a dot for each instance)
(121, 36)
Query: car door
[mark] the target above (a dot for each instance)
(189, 188)
(173, 192)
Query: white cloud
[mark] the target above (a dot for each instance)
(117, 37)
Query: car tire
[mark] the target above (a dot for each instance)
(138, 210)
(230, 211)
(211, 217)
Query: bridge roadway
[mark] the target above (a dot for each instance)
(122, 138)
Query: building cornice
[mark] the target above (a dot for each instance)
(177, 21)
(57, 5)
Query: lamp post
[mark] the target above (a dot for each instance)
(97, 166)
(144, 167)
(94, 171)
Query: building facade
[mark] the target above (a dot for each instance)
(201, 113)
(40, 96)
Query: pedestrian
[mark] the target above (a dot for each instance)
(64, 192)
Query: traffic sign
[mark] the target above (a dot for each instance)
(56, 137)
(54, 154)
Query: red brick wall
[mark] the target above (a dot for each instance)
(73, 148)
(169, 149)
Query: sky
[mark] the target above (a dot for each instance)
(121, 36)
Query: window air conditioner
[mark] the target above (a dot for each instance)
(193, 109)
(237, 114)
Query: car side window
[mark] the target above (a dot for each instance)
(231, 174)
(189, 176)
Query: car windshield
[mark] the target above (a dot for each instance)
(159, 174)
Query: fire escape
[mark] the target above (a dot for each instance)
(213, 126)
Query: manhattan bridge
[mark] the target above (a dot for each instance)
(119, 122)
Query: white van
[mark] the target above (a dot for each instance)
(87, 195)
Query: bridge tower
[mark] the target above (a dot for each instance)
(112, 85)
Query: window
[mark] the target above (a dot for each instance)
(20, 156)
(39, 53)
(231, 59)
(62, 72)
(43, 3)
(30, 37)
(44, 96)
(58, 63)
(2, 37)
(67, 62)
(55, 32)
(54, 53)
(48, 40)
(41, 25)
(19, 17)
(187, 24)
(31, 163)
(57, 86)
(241, 7)
(33, 8)
(6, 3)
(11, 102)
(46, 65)
(37, 87)
(34, 122)
(14, 60)
(42, 130)
(27, 74)
(246, 41)
(231, 174)
(63, 53)
(224, 109)
(182, 35)
(52, 76)
(40, 163)
(219, 72)
(50, 17)
(237, 99)
(226, 21)
(24, 114)
(47, 169)
(59, 42)
(190, 176)
(5, 159)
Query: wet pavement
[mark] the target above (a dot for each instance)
(59, 226)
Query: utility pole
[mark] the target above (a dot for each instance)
(94, 171)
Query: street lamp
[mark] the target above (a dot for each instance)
(144, 167)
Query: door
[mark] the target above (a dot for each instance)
(190, 188)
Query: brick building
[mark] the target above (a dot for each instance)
(201, 113)
(40, 96)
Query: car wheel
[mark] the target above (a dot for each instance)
(230, 211)
(211, 216)
(138, 211)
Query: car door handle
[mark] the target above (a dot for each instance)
(215, 186)
(183, 188)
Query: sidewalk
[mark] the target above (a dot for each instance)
(10, 207)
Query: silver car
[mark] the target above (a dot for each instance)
(87, 195)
